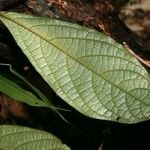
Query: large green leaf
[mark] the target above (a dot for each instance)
(23, 138)
(88, 69)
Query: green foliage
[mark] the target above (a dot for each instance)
(15, 91)
(23, 138)
(89, 70)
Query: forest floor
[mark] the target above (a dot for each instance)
(136, 16)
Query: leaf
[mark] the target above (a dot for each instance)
(37, 91)
(15, 91)
(23, 138)
(89, 70)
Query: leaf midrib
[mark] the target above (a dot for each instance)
(35, 33)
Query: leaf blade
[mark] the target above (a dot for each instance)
(13, 90)
(22, 138)
(89, 70)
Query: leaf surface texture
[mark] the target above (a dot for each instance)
(89, 70)
(23, 138)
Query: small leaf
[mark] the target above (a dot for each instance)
(87, 69)
(7, 86)
(15, 91)
(23, 138)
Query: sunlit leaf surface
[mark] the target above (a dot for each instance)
(89, 70)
